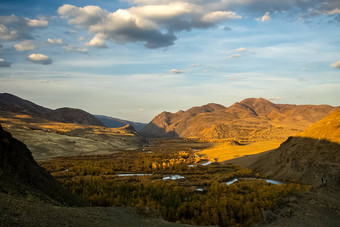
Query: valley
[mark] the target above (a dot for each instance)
(254, 163)
(175, 181)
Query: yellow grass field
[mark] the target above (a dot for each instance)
(224, 152)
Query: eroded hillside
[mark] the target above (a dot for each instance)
(253, 119)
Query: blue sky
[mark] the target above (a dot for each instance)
(133, 59)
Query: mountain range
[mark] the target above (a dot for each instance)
(253, 119)
(13, 104)
(112, 122)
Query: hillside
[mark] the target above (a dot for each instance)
(49, 139)
(71, 115)
(30, 196)
(22, 176)
(112, 122)
(251, 120)
(10, 104)
(313, 154)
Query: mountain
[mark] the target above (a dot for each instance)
(12, 103)
(15, 105)
(71, 115)
(22, 176)
(306, 158)
(112, 122)
(253, 119)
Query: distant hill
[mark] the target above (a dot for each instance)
(112, 122)
(71, 115)
(21, 175)
(253, 119)
(13, 104)
(313, 154)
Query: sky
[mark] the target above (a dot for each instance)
(133, 59)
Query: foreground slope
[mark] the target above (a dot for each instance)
(314, 154)
(253, 119)
(21, 175)
(30, 196)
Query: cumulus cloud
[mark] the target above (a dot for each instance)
(24, 46)
(234, 56)
(153, 24)
(15, 28)
(241, 49)
(54, 41)
(40, 23)
(39, 59)
(264, 18)
(97, 41)
(4, 63)
(336, 65)
(176, 71)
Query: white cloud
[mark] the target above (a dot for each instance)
(97, 41)
(305, 69)
(4, 63)
(81, 38)
(242, 49)
(39, 59)
(41, 22)
(264, 18)
(54, 41)
(220, 16)
(274, 98)
(15, 28)
(75, 49)
(24, 46)
(336, 65)
(155, 25)
(176, 71)
(234, 56)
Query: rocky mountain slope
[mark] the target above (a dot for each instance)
(314, 154)
(22, 176)
(13, 104)
(112, 122)
(253, 119)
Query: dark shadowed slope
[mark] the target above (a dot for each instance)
(253, 119)
(15, 105)
(20, 174)
(71, 115)
(112, 122)
(314, 154)
(12, 103)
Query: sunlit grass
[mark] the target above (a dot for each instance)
(224, 152)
